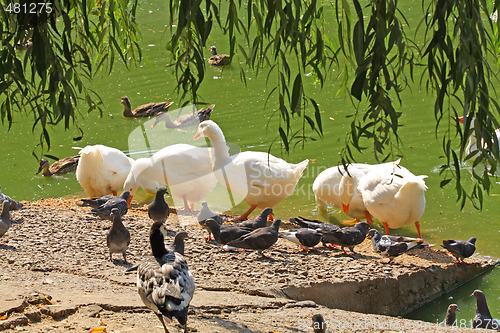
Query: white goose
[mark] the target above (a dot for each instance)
(185, 169)
(395, 197)
(337, 187)
(262, 179)
(472, 144)
(102, 170)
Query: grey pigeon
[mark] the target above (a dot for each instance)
(390, 246)
(121, 203)
(97, 202)
(205, 213)
(460, 249)
(225, 234)
(14, 205)
(483, 318)
(257, 222)
(118, 238)
(347, 236)
(259, 239)
(5, 218)
(451, 317)
(158, 210)
(306, 238)
(319, 324)
(164, 281)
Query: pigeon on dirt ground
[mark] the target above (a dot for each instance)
(460, 249)
(158, 210)
(306, 238)
(346, 237)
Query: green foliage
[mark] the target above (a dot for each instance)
(48, 55)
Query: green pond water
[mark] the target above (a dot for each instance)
(247, 125)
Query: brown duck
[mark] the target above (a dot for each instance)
(145, 110)
(59, 167)
(218, 59)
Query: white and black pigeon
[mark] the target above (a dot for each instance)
(305, 238)
(14, 205)
(121, 203)
(158, 210)
(451, 317)
(96, 202)
(205, 213)
(258, 222)
(319, 324)
(5, 218)
(391, 246)
(118, 238)
(460, 249)
(483, 318)
(346, 237)
(259, 239)
(224, 234)
(164, 281)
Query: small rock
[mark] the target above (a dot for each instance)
(33, 316)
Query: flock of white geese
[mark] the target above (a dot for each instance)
(389, 192)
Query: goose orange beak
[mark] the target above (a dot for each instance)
(129, 201)
(197, 135)
(461, 120)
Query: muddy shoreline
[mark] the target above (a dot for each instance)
(57, 249)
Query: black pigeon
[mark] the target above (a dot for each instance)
(260, 239)
(14, 205)
(164, 281)
(258, 222)
(224, 235)
(451, 317)
(319, 324)
(304, 237)
(391, 246)
(347, 236)
(118, 238)
(121, 203)
(460, 249)
(158, 210)
(97, 202)
(205, 213)
(483, 318)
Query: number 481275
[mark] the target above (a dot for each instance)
(29, 8)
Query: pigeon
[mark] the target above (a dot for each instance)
(164, 281)
(206, 213)
(347, 236)
(224, 235)
(258, 222)
(483, 318)
(259, 239)
(313, 224)
(319, 324)
(97, 202)
(451, 317)
(390, 246)
(118, 238)
(158, 210)
(14, 205)
(306, 238)
(460, 249)
(121, 202)
(5, 218)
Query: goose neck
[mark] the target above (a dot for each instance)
(157, 244)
